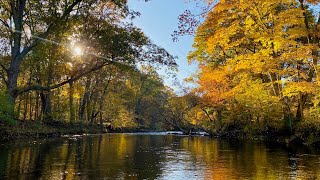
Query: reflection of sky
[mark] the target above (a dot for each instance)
(179, 165)
(158, 20)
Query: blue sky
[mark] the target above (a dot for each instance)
(158, 20)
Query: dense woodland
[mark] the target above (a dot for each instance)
(83, 62)
(258, 65)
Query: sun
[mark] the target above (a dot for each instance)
(77, 51)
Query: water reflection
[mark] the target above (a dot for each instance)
(143, 156)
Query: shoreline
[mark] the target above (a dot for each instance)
(39, 130)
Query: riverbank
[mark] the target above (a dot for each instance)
(307, 136)
(29, 130)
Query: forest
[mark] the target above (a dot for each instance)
(259, 62)
(82, 63)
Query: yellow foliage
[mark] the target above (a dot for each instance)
(294, 88)
(257, 53)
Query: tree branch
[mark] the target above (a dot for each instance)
(72, 79)
(3, 67)
(208, 115)
(45, 34)
(5, 23)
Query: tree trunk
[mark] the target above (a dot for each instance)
(46, 105)
(17, 10)
(36, 111)
(30, 106)
(93, 109)
(300, 107)
(218, 119)
(25, 108)
(101, 122)
(13, 72)
(19, 109)
(101, 103)
(85, 99)
(71, 103)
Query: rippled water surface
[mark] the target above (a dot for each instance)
(154, 156)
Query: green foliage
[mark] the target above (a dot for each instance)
(125, 119)
(6, 109)
(46, 79)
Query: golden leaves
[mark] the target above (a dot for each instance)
(294, 88)
(256, 52)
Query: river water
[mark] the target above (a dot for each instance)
(154, 156)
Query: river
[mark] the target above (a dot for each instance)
(154, 156)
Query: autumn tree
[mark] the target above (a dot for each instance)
(260, 56)
(36, 44)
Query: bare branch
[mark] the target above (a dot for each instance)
(3, 67)
(5, 23)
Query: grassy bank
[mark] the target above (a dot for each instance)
(26, 130)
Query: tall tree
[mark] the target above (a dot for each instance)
(99, 25)
(264, 47)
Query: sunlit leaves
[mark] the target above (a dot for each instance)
(257, 54)
(293, 89)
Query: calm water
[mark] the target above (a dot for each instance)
(154, 156)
